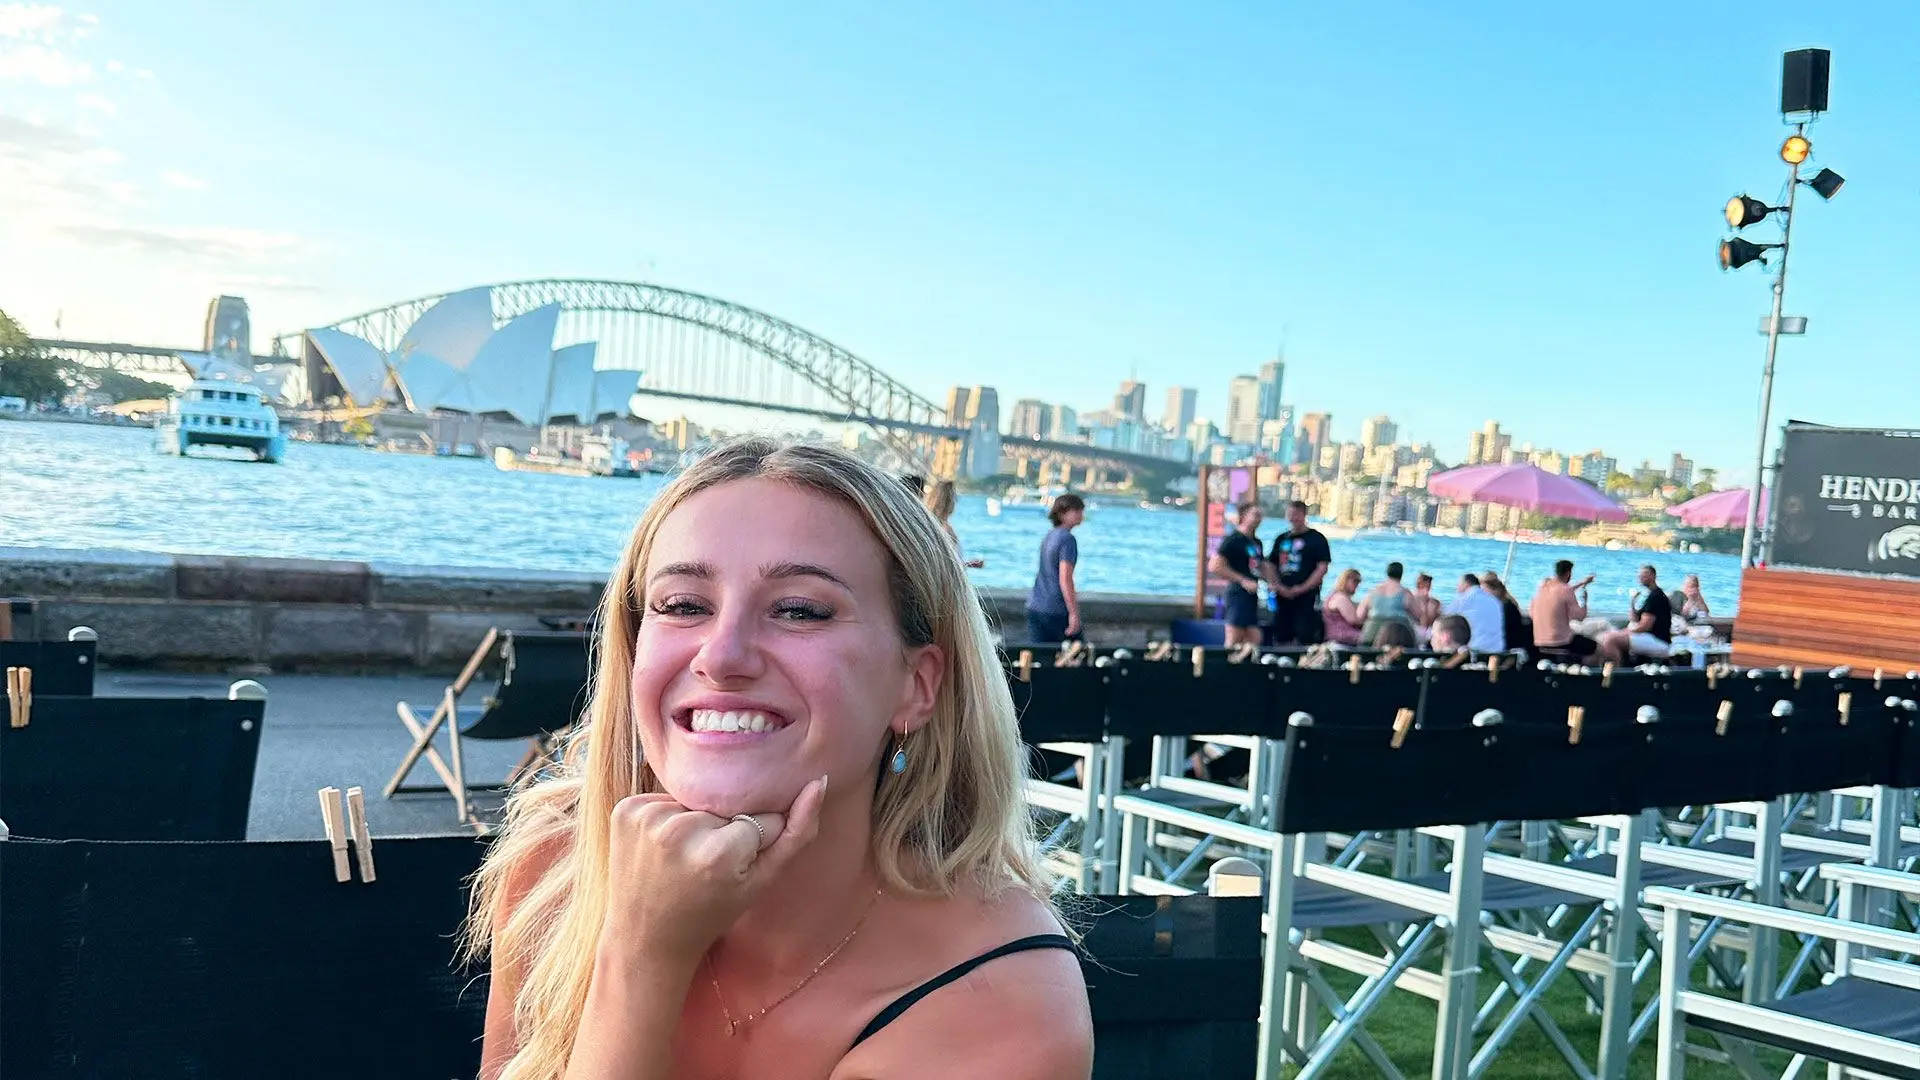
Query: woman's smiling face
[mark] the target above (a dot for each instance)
(769, 650)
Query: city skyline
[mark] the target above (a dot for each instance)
(926, 215)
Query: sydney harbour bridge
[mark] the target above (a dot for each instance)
(701, 349)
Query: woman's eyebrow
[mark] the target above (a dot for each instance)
(701, 570)
(776, 571)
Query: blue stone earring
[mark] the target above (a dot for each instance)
(899, 763)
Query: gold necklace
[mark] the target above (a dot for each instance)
(713, 977)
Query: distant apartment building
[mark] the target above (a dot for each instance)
(1181, 401)
(1326, 463)
(1243, 410)
(1380, 461)
(1063, 425)
(1593, 466)
(1552, 461)
(1378, 431)
(1316, 432)
(1681, 470)
(1273, 434)
(1489, 445)
(1351, 455)
(1289, 450)
(1131, 402)
(1201, 433)
(1649, 475)
(1030, 420)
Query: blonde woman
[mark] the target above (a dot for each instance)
(940, 503)
(1344, 619)
(790, 839)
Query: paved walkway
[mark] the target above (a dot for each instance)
(339, 731)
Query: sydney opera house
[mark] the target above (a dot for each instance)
(454, 359)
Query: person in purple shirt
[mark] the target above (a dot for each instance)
(1053, 604)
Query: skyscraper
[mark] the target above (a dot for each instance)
(1030, 419)
(1271, 374)
(1243, 410)
(1064, 425)
(1681, 471)
(1180, 405)
(1131, 402)
(1378, 431)
(983, 432)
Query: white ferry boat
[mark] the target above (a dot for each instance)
(215, 412)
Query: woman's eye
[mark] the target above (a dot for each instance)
(802, 611)
(680, 606)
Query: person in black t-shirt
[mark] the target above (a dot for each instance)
(1300, 560)
(1238, 560)
(1650, 632)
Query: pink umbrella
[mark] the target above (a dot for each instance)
(1719, 509)
(1527, 487)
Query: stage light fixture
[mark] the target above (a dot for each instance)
(1796, 149)
(1736, 253)
(1744, 210)
(1826, 183)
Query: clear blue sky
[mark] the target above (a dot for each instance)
(1506, 212)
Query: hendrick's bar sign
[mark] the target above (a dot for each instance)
(1848, 499)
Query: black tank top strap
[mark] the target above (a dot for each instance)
(959, 971)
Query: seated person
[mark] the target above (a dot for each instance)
(1555, 609)
(1451, 634)
(795, 799)
(1693, 604)
(1650, 632)
(1484, 614)
(1343, 618)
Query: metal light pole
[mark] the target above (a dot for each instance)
(1747, 537)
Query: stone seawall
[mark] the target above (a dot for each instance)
(200, 611)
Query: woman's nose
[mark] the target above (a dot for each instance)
(729, 652)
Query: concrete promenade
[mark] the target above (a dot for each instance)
(338, 731)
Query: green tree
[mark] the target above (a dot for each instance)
(25, 371)
(118, 386)
(1704, 487)
(1619, 483)
(1709, 477)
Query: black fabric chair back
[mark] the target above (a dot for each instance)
(1164, 697)
(1331, 696)
(235, 961)
(543, 685)
(131, 768)
(1174, 983)
(1060, 704)
(60, 668)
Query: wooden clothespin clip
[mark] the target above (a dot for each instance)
(1199, 660)
(1713, 677)
(1493, 669)
(1724, 714)
(1402, 723)
(1159, 650)
(1353, 669)
(362, 840)
(1878, 674)
(20, 695)
(1068, 655)
(1606, 675)
(1026, 665)
(1797, 673)
(1576, 721)
(335, 819)
(1845, 703)
(1242, 652)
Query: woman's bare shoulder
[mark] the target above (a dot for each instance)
(1022, 1015)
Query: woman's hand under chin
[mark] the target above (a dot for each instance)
(679, 878)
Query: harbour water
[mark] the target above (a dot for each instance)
(78, 486)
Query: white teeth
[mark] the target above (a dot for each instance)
(715, 720)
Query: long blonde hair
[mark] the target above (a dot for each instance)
(957, 817)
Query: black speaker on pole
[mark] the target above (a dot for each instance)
(1803, 81)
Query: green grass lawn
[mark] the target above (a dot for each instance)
(1403, 1026)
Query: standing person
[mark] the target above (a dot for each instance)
(1388, 602)
(1556, 608)
(1238, 560)
(1053, 604)
(1649, 632)
(1300, 561)
(940, 503)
